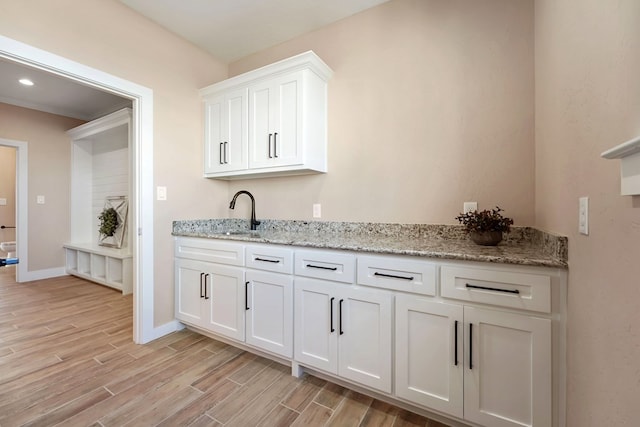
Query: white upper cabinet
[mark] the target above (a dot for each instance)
(226, 132)
(268, 122)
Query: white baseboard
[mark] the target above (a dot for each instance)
(166, 329)
(42, 274)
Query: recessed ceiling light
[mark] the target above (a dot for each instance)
(26, 82)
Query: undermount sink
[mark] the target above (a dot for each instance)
(239, 233)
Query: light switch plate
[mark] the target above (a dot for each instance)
(317, 210)
(161, 193)
(3, 201)
(583, 216)
(40, 200)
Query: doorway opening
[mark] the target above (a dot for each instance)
(142, 168)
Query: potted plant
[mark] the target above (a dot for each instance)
(486, 227)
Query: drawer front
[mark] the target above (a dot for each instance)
(337, 267)
(398, 273)
(526, 291)
(209, 250)
(269, 258)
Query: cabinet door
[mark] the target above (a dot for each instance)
(269, 312)
(429, 365)
(275, 122)
(224, 299)
(316, 331)
(364, 327)
(226, 135)
(507, 379)
(189, 296)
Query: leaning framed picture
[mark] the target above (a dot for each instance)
(113, 222)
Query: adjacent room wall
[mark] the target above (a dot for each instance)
(7, 191)
(48, 175)
(107, 35)
(431, 105)
(587, 101)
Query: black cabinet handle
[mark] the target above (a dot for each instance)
(393, 276)
(205, 286)
(246, 295)
(226, 152)
(221, 155)
(470, 345)
(275, 261)
(275, 145)
(201, 291)
(340, 316)
(455, 346)
(270, 156)
(486, 288)
(321, 267)
(331, 315)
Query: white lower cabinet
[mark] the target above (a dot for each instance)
(429, 353)
(479, 345)
(345, 330)
(210, 296)
(485, 366)
(269, 312)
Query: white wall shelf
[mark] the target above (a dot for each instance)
(629, 155)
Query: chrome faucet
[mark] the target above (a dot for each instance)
(232, 205)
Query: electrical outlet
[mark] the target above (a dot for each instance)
(40, 200)
(317, 210)
(470, 207)
(3, 201)
(583, 216)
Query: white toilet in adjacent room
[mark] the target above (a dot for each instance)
(9, 248)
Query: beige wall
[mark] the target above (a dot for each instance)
(587, 101)
(431, 105)
(107, 35)
(7, 191)
(48, 175)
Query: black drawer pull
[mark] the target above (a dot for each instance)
(331, 315)
(393, 276)
(201, 285)
(470, 345)
(246, 295)
(275, 261)
(455, 350)
(486, 288)
(205, 286)
(340, 316)
(321, 267)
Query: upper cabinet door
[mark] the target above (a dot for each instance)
(275, 122)
(226, 135)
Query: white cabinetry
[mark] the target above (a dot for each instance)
(100, 168)
(486, 366)
(268, 122)
(341, 328)
(345, 330)
(226, 132)
(481, 344)
(269, 299)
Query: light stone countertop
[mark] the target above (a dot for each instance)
(523, 246)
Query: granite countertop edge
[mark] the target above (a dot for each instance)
(523, 246)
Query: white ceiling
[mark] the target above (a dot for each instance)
(228, 29)
(232, 29)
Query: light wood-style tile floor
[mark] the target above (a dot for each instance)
(67, 358)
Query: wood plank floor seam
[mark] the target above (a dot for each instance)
(67, 358)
